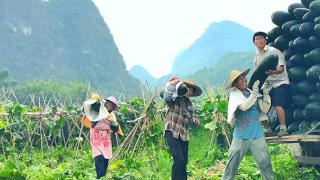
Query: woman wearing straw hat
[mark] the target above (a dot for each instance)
(243, 112)
(177, 95)
(100, 112)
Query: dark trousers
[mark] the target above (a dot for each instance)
(179, 152)
(101, 166)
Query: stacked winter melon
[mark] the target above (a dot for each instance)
(297, 35)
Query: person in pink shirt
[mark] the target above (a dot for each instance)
(100, 133)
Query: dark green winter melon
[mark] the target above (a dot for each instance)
(317, 20)
(291, 47)
(297, 59)
(282, 42)
(268, 62)
(309, 17)
(297, 115)
(294, 127)
(294, 30)
(289, 65)
(300, 101)
(274, 33)
(318, 86)
(315, 97)
(300, 12)
(315, 7)
(293, 6)
(314, 42)
(315, 56)
(297, 73)
(306, 3)
(288, 53)
(287, 25)
(317, 29)
(307, 60)
(304, 87)
(313, 110)
(313, 72)
(306, 29)
(280, 17)
(301, 45)
(306, 116)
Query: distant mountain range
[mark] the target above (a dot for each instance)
(143, 75)
(223, 46)
(218, 76)
(67, 40)
(218, 39)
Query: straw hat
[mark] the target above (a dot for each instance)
(234, 74)
(114, 101)
(90, 105)
(181, 89)
(196, 89)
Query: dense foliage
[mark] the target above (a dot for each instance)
(47, 146)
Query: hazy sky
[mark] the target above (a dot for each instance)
(151, 32)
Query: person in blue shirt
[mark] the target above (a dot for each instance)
(244, 108)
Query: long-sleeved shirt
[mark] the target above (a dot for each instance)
(179, 115)
(247, 122)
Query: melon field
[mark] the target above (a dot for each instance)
(49, 142)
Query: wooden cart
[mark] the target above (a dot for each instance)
(305, 148)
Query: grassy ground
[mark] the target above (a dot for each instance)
(154, 162)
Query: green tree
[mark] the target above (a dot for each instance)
(5, 79)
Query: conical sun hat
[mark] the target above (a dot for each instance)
(234, 74)
(94, 108)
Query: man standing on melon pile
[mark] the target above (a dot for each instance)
(278, 79)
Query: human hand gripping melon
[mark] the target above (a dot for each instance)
(268, 62)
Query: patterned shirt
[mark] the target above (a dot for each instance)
(179, 115)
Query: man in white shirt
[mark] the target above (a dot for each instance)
(278, 79)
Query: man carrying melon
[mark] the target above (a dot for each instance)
(177, 95)
(277, 78)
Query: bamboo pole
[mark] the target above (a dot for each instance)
(3, 150)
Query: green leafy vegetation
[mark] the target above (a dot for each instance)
(37, 144)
